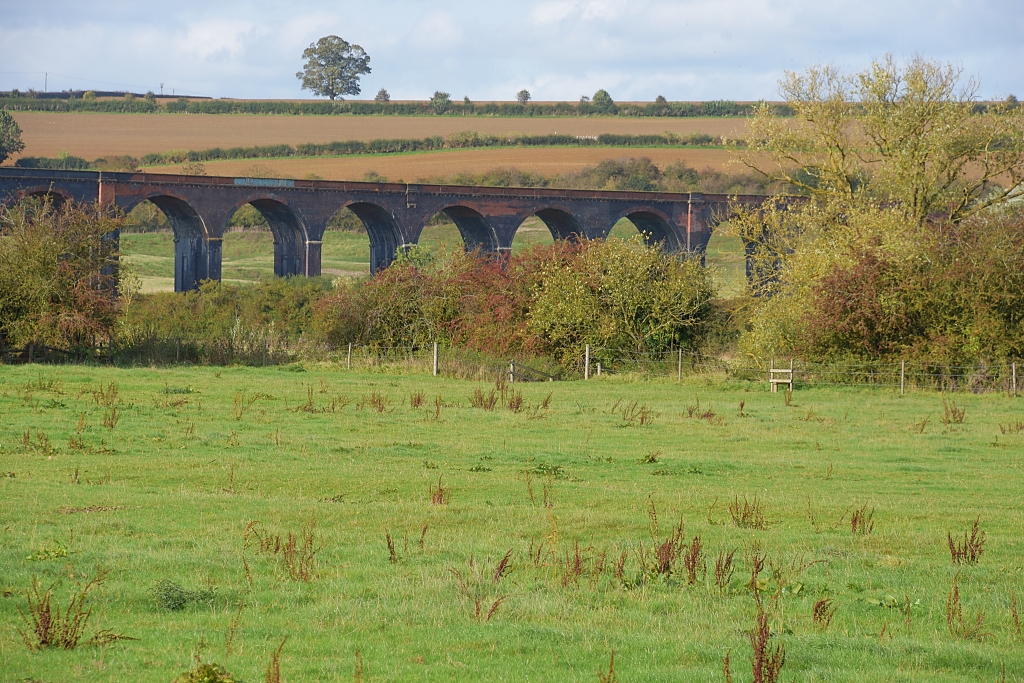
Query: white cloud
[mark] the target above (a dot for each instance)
(221, 37)
(559, 49)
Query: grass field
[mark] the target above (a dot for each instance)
(249, 255)
(96, 135)
(190, 458)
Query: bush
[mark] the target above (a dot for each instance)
(57, 274)
(172, 596)
(207, 673)
(549, 300)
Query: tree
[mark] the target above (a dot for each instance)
(10, 136)
(603, 102)
(523, 96)
(333, 67)
(441, 101)
(908, 135)
(383, 97)
(900, 164)
(660, 99)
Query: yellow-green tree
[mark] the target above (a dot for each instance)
(884, 158)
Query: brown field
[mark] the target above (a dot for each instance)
(413, 167)
(90, 135)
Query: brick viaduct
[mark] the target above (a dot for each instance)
(199, 208)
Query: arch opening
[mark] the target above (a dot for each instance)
(561, 224)
(55, 197)
(475, 231)
(654, 229)
(247, 246)
(440, 235)
(383, 231)
(147, 246)
(346, 246)
(184, 228)
(289, 236)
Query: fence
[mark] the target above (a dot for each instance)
(900, 375)
(593, 362)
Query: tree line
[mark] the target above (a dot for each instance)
(137, 105)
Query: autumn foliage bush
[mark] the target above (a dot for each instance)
(959, 299)
(58, 270)
(550, 300)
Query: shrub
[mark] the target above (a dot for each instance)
(57, 273)
(207, 673)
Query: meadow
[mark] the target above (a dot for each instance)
(397, 526)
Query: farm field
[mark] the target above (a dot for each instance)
(249, 255)
(96, 135)
(417, 166)
(198, 473)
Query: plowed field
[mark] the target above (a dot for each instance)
(95, 135)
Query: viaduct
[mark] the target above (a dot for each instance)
(199, 208)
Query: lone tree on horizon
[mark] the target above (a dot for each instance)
(523, 96)
(333, 67)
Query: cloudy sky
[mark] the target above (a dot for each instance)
(558, 49)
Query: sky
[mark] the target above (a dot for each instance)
(489, 50)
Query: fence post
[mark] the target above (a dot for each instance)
(598, 369)
(679, 377)
(903, 376)
(511, 372)
(435, 359)
(348, 363)
(586, 364)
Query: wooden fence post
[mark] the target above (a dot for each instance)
(435, 359)
(511, 372)
(348, 363)
(586, 364)
(903, 376)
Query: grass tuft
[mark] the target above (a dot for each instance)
(970, 549)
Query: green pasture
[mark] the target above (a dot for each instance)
(249, 255)
(192, 457)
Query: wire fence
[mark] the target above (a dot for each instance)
(594, 362)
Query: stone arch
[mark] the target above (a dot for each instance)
(192, 252)
(476, 231)
(653, 225)
(56, 194)
(562, 224)
(384, 232)
(288, 229)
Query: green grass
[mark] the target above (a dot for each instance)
(181, 475)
